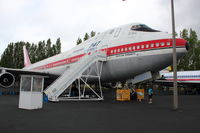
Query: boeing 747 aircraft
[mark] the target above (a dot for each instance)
(131, 50)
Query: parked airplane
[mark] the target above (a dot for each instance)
(189, 80)
(131, 50)
(182, 77)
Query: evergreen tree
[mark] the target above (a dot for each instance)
(6, 61)
(86, 37)
(43, 50)
(13, 57)
(18, 55)
(38, 51)
(58, 46)
(49, 52)
(191, 60)
(184, 34)
(183, 62)
(92, 34)
(54, 49)
(79, 41)
(33, 53)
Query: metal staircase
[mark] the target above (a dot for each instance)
(73, 73)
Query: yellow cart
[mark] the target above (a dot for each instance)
(123, 95)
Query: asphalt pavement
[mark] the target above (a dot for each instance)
(108, 116)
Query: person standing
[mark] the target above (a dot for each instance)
(133, 94)
(150, 94)
(74, 90)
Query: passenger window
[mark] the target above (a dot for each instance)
(125, 49)
(133, 47)
(111, 51)
(157, 44)
(168, 43)
(118, 50)
(152, 45)
(142, 46)
(115, 51)
(147, 46)
(129, 48)
(138, 47)
(162, 44)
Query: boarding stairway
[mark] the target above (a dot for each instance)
(73, 73)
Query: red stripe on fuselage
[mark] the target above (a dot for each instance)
(141, 46)
(60, 62)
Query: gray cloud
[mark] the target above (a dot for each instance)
(188, 14)
(35, 20)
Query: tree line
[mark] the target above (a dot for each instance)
(86, 37)
(12, 56)
(191, 61)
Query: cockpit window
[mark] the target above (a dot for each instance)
(142, 27)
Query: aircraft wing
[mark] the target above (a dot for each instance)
(23, 71)
(8, 76)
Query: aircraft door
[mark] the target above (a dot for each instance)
(104, 48)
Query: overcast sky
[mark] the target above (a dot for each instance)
(35, 20)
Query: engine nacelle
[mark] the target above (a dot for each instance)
(6, 79)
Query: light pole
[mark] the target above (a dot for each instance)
(175, 92)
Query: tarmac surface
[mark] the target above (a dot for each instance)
(108, 116)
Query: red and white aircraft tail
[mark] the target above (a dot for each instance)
(27, 61)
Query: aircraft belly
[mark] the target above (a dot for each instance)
(127, 66)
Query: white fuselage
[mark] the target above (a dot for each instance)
(183, 76)
(129, 53)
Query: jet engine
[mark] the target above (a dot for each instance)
(6, 79)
